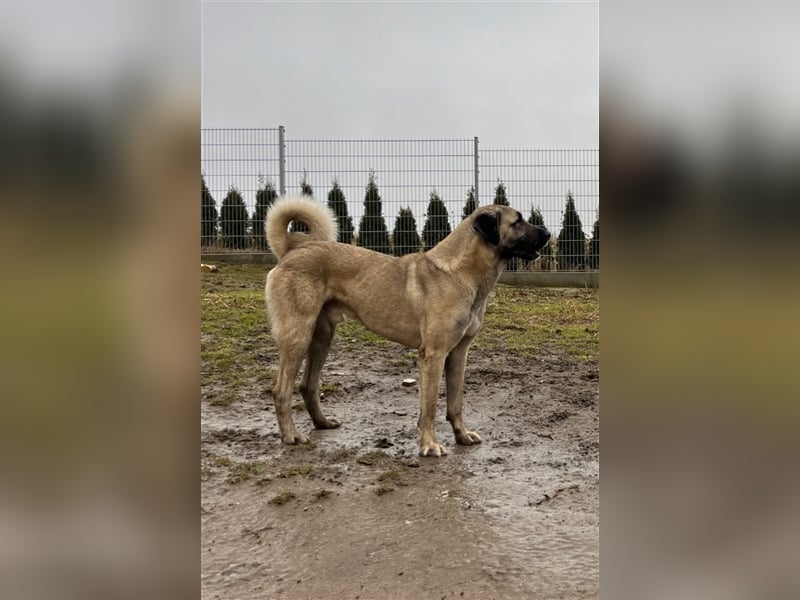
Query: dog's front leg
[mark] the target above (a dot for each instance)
(432, 363)
(454, 372)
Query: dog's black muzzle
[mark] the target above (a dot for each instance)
(528, 246)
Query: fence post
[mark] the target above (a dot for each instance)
(282, 160)
(477, 202)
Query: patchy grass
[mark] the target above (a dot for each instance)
(282, 498)
(326, 389)
(342, 455)
(220, 461)
(236, 276)
(297, 470)
(353, 334)
(392, 474)
(224, 399)
(236, 350)
(244, 471)
(237, 472)
(370, 458)
(527, 321)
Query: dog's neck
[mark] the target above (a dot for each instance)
(477, 260)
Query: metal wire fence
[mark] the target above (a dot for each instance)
(559, 188)
(398, 196)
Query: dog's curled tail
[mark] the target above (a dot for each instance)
(319, 219)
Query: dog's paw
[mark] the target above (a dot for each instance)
(328, 423)
(432, 449)
(295, 438)
(467, 438)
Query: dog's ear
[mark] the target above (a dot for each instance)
(487, 224)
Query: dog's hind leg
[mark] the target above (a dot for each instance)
(454, 368)
(317, 353)
(290, 358)
(294, 307)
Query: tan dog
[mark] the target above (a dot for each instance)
(433, 301)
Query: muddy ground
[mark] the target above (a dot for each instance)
(357, 514)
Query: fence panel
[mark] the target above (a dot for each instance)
(237, 162)
(423, 186)
(405, 174)
(543, 180)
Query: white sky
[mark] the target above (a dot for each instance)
(517, 75)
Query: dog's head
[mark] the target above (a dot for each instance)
(504, 227)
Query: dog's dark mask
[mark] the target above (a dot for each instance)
(525, 239)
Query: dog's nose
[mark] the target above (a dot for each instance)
(546, 236)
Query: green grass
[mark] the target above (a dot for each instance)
(392, 474)
(370, 458)
(236, 350)
(224, 399)
(237, 472)
(253, 276)
(297, 470)
(353, 333)
(244, 471)
(326, 389)
(529, 321)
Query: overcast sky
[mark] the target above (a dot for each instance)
(517, 75)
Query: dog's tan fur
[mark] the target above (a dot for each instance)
(432, 301)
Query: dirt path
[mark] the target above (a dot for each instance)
(358, 515)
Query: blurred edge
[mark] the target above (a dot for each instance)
(99, 153)
(99, 149)
(700, 186)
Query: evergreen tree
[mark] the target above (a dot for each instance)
(500, 194)
(437, 223)
(547, 260)
(537, 220)
(546, 253)
(305, 189)
(405, 237)
(571, 239)
(208, 216)
(233, 220)
(501, 199)
(594, 245)
(265, 198)
(372, 232)
(337, 203)
(470, 205)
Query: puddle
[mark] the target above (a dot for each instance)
(516, 516)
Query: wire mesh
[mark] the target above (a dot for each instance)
(398, 196)
(236, 165)
(562, 186)
(426, 179)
